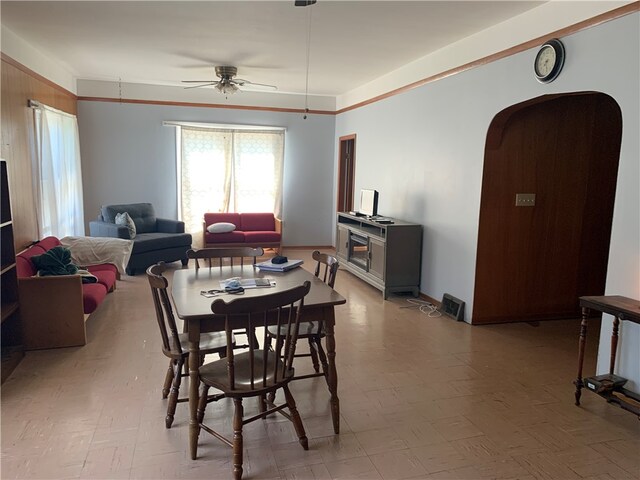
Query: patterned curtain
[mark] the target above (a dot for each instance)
(257, 171)
(226, 170)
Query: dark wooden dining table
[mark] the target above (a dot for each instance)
(195, 309)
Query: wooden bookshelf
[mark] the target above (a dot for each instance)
(11, 335)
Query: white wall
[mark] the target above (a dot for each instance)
(29, 56)
(423, 151)
(534, 23)
(129, 156)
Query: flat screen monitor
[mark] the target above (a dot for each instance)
(368, 202)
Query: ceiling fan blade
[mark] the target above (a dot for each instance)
(242, 83)
(198, 81)
(202, 85)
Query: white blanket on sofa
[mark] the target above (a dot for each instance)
(87, 251)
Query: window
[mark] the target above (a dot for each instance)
(228, 170)
(57, 174)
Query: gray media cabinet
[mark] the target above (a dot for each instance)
(385, 252)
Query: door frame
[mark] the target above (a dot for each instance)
(346, 172)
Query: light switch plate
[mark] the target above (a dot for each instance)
(525, 199)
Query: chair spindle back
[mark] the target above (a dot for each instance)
(164, 311)
(225, 253)
(266, 368)
(330, 269)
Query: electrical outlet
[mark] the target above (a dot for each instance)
(525, 199)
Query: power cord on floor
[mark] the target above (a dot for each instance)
(425, 307)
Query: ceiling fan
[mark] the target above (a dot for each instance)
(227, 84)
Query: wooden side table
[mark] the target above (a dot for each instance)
(608, 386)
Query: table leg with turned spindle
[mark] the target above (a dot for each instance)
(194, 383)
(614, 344)
(332, 374)
(581, 344)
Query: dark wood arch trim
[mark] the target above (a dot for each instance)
(534, 262)
(496, 128)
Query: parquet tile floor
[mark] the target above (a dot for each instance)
(421, 397)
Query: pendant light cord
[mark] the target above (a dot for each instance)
(306, 88)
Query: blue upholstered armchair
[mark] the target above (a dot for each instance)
(155, 240)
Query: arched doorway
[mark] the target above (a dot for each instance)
(536, 259)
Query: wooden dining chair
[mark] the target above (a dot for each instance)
(222, 254)
(174, 343)
(256, 372)
(326, 270)
(218, 256)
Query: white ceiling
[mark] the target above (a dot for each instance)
(162, 43)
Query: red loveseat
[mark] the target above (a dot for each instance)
(53, 309)
(252, 230)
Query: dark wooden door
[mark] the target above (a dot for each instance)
(346, 172)
(533, 262)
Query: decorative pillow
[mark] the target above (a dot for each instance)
(124, 219)
(221, 227)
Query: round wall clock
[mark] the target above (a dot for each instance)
(549, 61)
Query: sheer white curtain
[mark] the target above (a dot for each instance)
(228, 170)
(57, 174)
(205, 175)
(257, 171)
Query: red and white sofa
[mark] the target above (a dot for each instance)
(53, 309)
(251, 230)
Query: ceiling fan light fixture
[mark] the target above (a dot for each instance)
(227, 85)
(226, 88)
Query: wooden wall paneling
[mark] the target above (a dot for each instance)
(14, 91)
(20, 84)
(534, 262)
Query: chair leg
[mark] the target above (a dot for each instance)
(202, 403)
(173, 396)
(295, 417)
(271, 396)
(262, 405)
(314, 354)
(168, 379)
(322, 355)
(237, 438)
